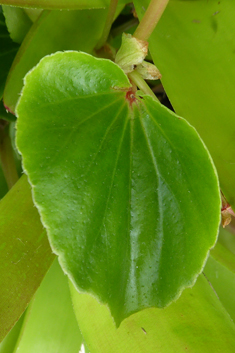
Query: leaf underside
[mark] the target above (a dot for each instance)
(126, 189)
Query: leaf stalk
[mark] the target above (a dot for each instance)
(140, 82)
(150, 19)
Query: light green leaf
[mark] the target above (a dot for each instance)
(220, 271)
(227, 239)
(58, 4)
(121, 183)
(53, 31)
(197, 322)
(25, 255)
(193, 47)
(17, 21)
(50, 325)
(33, 14)
(62, 4)
(9, 342)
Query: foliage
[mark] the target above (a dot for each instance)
(126, 191)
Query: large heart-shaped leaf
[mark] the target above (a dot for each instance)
(126, 189)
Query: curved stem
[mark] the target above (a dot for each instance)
(7, 155)
(150, 19)
(140, 82)
(108, 23)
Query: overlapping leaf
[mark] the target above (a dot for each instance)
(25, 254)
(50, 324)
(53, 31)
(220, 271)
(197, 322)
(126, 189)
(17, 21)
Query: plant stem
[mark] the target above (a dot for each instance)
(150, 19)
(108, 23)
(7, 155)
(140, 82)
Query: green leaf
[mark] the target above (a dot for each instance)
(53, 31)
(62, 4)
(220, 271)
(197, 322)
(9, 342)
(227, 239)
(8, 51)
(17, 21)
(50, 325)
(193, 48)
(58, 4)
(25, 255)
(121, 183)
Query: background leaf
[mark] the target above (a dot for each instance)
(58, 4)
(18, 23)
(9, 342)
(193, 48)
(220, 271)
(50, 324)
(25, 255)
(116, 179)
(53, 31)
(197, 322)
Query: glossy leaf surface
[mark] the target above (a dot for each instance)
(25, 255)
(8, 51)
(193, 48)
(53, 31)
(50, 324)
(122, 184)
(197, 322)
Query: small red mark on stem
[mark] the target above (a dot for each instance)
(130, 97)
